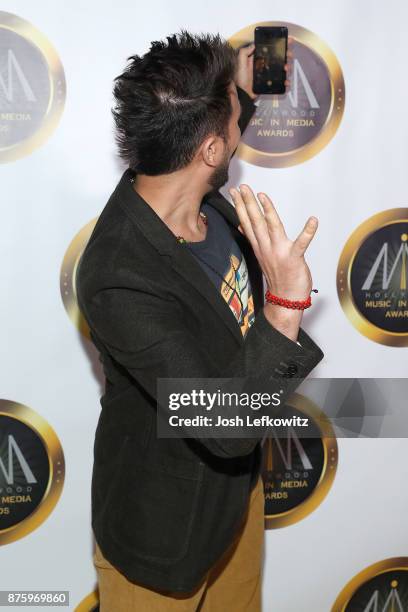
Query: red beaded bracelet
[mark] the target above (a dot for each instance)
(295, 304)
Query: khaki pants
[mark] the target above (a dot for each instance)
(232, 585)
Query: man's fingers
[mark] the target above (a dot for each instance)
(305, 237)
(245, 222)
(273, 221)
(255, 214)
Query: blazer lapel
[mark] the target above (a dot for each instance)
(182, 260)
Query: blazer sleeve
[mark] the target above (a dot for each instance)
(142, 328)
(248, 108)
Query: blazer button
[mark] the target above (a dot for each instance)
(292, 369)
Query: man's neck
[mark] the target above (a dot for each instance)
(176, 199)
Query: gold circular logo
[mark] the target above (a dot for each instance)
(89, 604)
(32, 88)
(32, 470)
(372, 278)
(290, 128)
(297, 471)
(381, 586)
(68, 274)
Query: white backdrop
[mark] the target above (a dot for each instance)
(50, 194)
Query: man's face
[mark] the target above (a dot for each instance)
(220, 175)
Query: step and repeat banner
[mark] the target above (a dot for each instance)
(333, 146)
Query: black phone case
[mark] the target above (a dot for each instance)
(270, 82)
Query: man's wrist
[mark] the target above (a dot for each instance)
(285, 320)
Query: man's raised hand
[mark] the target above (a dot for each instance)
(281, 259)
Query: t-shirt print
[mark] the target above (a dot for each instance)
(237, 277)
(221, 258)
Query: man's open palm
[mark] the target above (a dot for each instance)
(281, 259)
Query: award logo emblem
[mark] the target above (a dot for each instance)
(382, 586)
(32, 470)
(372, 278)
(288, 129)
(89, 604)
(298, 471)
(68, 274)
(32, 88)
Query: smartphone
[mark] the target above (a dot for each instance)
(271, 45)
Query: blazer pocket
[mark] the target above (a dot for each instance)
(156, 507)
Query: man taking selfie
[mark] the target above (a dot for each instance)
(171, 286)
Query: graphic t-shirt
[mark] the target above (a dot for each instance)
(220, 252)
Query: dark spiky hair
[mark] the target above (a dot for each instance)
(170, 99)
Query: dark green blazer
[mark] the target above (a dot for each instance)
(164, 510)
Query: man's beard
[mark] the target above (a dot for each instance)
(220, 175)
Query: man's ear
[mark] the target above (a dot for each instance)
(211, 150)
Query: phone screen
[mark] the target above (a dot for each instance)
(269, 59)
